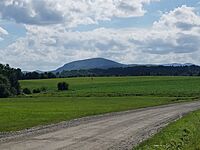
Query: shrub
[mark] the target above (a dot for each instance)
(63, 86)
(43, 89)
(26, 91)
(36, 90)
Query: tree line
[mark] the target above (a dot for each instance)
(9, 81)
(136, 71)
(36, 75)
(9, 77)
(124, 71)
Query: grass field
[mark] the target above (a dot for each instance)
(183, 134)
(121, 86)
(91, 96)
(20, 113)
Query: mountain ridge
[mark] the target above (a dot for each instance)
(102, 63)
(92, 63)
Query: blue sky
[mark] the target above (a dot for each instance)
(15, 31)
(45, 34)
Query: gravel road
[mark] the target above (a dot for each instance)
(114, 131)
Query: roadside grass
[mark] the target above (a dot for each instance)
(119, 86)
(183, 134)
(20, 113)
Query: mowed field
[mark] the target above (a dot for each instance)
(92, 96)
(120, 86)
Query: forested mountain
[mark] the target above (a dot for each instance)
(9, 77)
(100, 63)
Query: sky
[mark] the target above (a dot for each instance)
(45, 34)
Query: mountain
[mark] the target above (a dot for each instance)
(39, 71)
(100, 63)
(178, 65)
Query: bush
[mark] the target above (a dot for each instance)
(26, 91)
(63, 86)
(36, 90)
(43, 89)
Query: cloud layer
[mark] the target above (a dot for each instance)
(49, 42)
(70, 12)
(177, 31)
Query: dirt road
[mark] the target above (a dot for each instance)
(112, 131)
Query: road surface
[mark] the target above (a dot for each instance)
(115, 131)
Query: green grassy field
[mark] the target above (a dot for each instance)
(20, 113)
(121, 86)
(91, 96)
(183, 134)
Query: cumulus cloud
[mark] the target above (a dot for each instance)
(174, 38)
(180, 18)
(53, 46)
(70, 12)
(177, 31)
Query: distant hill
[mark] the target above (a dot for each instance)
(106, 67)
(178, 65)
(100, 63)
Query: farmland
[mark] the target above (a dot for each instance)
(120, 86)
(92, 96)
(20, 113)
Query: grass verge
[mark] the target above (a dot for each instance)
(183, 134)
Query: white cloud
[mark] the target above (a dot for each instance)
(177, 31)
(182, 18)
(174, 38)
(69, 12)
(54, 46)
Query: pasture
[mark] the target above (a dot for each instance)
(120, 86)
(92, 96)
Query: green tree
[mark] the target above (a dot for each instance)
(4, 87)
(26, 91)
(36, 90)
(63, 86)
(12, 75)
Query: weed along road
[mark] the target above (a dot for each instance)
(120, 131)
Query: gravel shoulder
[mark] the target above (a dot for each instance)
(122, 130)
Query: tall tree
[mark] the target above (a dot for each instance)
(9, 77)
